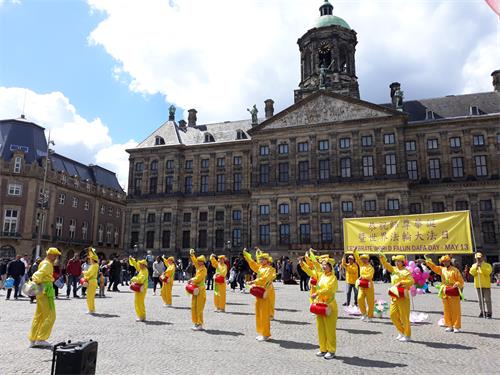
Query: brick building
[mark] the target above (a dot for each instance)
(285, 182)
(83, 204)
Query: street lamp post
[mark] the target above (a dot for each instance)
(44, 198)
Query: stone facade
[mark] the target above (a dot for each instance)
(327, 157)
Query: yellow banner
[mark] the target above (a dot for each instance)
(436, 233)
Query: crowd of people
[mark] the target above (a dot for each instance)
(318, 274)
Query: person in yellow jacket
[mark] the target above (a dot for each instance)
(272, 292)
(351, 275)
(45, 313)
(265, 276)
(366, 296)
(327, 325)
(198, 301)
(142, 278)
(451, 277)
(400, 307)
(91, 276)
(168, 275)
(220, 288)
(309, 268)
(481, 271)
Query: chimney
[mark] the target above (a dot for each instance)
(192, 117)
(496, 80)
(269, 108)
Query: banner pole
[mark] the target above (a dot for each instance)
(481, 302)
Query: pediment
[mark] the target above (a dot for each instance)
(321, 108)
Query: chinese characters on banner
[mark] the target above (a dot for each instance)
(436, 233)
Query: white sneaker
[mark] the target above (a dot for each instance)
(42, 344)
(404, 338)
(448, 329)
(262, 338)
(363, 317)
(89, 313)
(399, 336)
(139, 320)
(329, 355)
(195, 327)
(456, 330)
(320, 354)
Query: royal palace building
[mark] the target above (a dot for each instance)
(285, 182)
(82, 205)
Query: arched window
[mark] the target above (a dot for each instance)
(159, 140)
(240, 134)
(209, 138)
(344, 62)
(154, 165)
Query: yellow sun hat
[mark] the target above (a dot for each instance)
(53, 251)
(364, 256)
(221, 257)
(143, 262)
(445, 258)
(92, 255)
(398, 258)
(201, 258)
(265, 256)
(171, 258)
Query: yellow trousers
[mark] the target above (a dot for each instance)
(263, 316)
(272, 300)
(43, 321)
(91, 295)
(198, 305)
(452, 312)
(140, 307)
(166, 293)
(366, 299)
(220, 296)
(400, 315)
(327, 330)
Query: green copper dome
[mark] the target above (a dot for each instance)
(330, 20)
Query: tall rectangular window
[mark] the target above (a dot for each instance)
(324, 169)
(204, 184)
(219, 238)
(59, 227)
(153, 185)
(186, 218)
(284, 234)
(302, 147)
(203, 216)
(10, 219)
(370, 205)
(169, 164)
(393, 204)
(236, 237)
(304, 208)
(389, 139)
(410, 146)
(264, 150)
(85, 230)
(135, 218)
(169, 184)
(367, 166)
(188, 184)
(264, 210)
(137, 186)
(72, 228)
(284, 209)
(344, 143)
(165, 239)
(167, 217)
(323, 145)
(18, 162)
(325, 207)
(221, 162)
(434, 169)
(61, 198)
(366, 141)
(481, 166)
(204, 164)
(219, 215)
(237, 160)
(303, 171)
(478, 140)
(264, 234)
(188, 165)
(432, 144)
(415, 208)
(347, 206)
(437, 207)
(457, 167)
(488, 230)
(186, 239)
(283, 172)
(455, 142)
(221, 184)
(264, 174)
(283, 148)
(15, 189)
(326, 233)
(461, 205)
(345, 167)
(151, 218)
(390, 164)
(237, 179)
(485, 205)
(304, 233)
(412, 169)
(202, 239)
(236, 215)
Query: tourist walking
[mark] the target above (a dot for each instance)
(158, 269)
(73, 272)
(15, 269)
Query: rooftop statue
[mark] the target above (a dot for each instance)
(254, 112)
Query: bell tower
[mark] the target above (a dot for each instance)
(327, 56)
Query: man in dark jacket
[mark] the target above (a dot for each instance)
(16, 270)
(115, 272)
(73, 271)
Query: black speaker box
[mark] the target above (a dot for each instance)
(74, 358)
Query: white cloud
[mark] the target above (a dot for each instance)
(220, 57)
(87, 141)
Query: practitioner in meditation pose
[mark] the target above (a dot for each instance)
(198, 281)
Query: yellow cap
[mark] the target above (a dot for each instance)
(445, 258)
(265, 256)
(201, 258)
(53, 251)
(399, 257)
(478, 255)
(171, 258)
(221, 257)
(326, 258)
(92, 255)
(143, 262)
(364, 256)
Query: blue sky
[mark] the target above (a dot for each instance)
(44, 47)
(100, 74)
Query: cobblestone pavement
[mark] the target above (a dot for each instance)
(166, 344)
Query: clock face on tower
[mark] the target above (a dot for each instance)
(324, 47)
(324, 55)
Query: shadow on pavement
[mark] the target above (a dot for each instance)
(156, 323)
(222, 333)
(293, 344)
(102, 315)
(443, 345)
(239, 313)
(292, 322)
(287, 310)
(483, 334)
(180, 307)
(237, 304)
(359, 331)
(363, 362)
